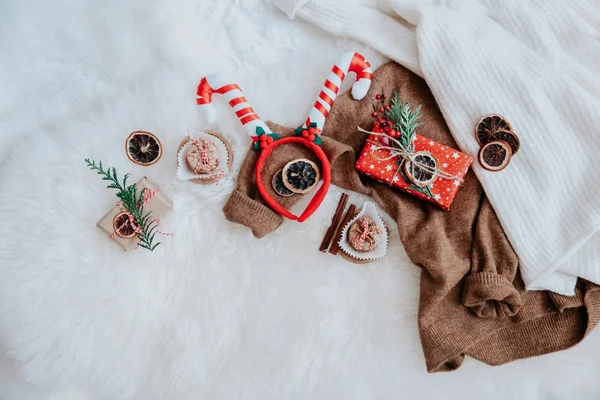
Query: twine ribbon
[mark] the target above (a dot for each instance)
(367, 230)
(148, 195)
(206, 159)
(404, 154)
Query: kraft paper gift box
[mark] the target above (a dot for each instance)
(159, 205)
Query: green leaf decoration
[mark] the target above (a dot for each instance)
(423, 190)
(405, 120)
(256, 145)
(131, 201)
(298, 131)
(405, 177)
(318, 140)
(428, 192)
(259, 131)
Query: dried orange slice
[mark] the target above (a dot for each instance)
(488, 126)
(509, 137)
(143, 148)
(495, 155)
(417, 174)
(300, 175)
(278, 185)
(122, 226)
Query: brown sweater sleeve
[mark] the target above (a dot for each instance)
(245, 205)
(449, 245)
(488, 289)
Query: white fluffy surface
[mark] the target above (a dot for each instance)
(213, 313)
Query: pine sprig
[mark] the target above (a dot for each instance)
(423, 190)
(132, 201)
(404, 119)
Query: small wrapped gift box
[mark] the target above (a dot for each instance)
(159, 204)
(427, 169)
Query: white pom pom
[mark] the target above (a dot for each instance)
(360, 88)
(209, 112)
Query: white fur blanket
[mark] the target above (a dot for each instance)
(213, 313)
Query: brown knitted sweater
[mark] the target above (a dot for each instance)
(472, 300)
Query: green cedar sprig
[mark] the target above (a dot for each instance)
(404, 119)
(423, 190)
(406, 122)
(132, 201)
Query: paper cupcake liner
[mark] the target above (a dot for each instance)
(186, 174)
(369, 210)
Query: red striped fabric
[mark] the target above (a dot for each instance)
(237, 101)
(325, 98)
(227, 88)
(336, 70)
(204, 92)
(321, 108)
(358, 65)
(244, 111)
(248, 118)
(331, 86)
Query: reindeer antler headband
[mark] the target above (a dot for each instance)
(309, 134)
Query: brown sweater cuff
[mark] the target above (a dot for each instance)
(251, 213)
(490, 295)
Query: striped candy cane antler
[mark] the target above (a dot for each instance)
(219, 84)
(349, 62)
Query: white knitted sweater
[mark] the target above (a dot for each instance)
(537, 62)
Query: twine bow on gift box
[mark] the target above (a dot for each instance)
(399, 151)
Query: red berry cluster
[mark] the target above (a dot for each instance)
(311, 133)
(264, 140)
(382, 118)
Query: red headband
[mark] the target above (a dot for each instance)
(309, 134)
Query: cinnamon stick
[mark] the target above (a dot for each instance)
(334, 222)
(335, 247)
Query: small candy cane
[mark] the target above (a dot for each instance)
(233, 94)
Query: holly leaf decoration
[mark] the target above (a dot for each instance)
(298, 132)
(256, 144)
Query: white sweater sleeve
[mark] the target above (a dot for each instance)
(535, 62)
(360, 22)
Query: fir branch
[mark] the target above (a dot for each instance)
(131, 201)
(404, 119)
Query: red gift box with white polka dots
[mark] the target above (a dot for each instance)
(381, 164)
